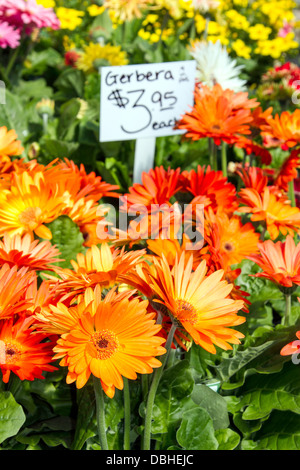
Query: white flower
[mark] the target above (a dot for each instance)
(214, 65)
(205, 5)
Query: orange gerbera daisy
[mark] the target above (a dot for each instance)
(100, 265)
(29, 205)
(292, 347)
(277, 214)
(97, 188)
(9, 146)
(219, 114)
(260, 119)
(22, 251)
(216, 261)
(158, 186)
(279, 261)
(173, 249)
(212, 185)
(13, 290)
(283, 130)
(230, 237)
(253, 177)
(253, 148)
(23, 350)
(120, 338)
(200, 304)
(288, 171)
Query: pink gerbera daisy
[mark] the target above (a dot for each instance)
(9, 36)
(20, 13)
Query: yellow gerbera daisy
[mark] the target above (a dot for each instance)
(95, 55)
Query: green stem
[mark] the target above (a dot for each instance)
(12, 61)
(45, 123)
(127, 414)
(100, 409)
(213, 154)
(288, 307)
(152, 392)
(224, 158)
(144, 383)
(292, 193)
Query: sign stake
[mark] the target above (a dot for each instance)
(144, 157)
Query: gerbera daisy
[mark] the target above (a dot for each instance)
(228, 235)
(100, 265)
(199, 304)
(253, 177)
(22, 251)
(252, 148)
(28, 15)
(118, 339)
(280, 261)
(127, 10)
(23, 350)
(214, 65)
(219, 114)
(283, 130)
(13, 290)
(95, 55)
(29, 205)
(9, 145)
(291, 348)
(172, 249)
(211, 184)
(9, 36)
(277, 214)
(216, 261)
(288, 171)
(157, 188)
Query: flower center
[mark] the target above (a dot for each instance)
(9, 352)
(30, 216)
(228, 246)
(186, 312)
(106, 343)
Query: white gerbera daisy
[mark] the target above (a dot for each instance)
(214, 65)
(205, 5)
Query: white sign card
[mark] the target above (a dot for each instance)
(145, 100)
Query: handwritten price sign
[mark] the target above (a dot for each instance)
(144, 100)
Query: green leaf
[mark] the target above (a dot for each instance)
(86, 426)
(172, 401)
(70, 84)
(12, 115)
(33, 89)
(67, 237)
(69, 112)
(280, 432)
(199, 360)
(261, 394)
(260, 353)
(213, 403)
(114, 414)
(196, 431)
(227, 439)
(12, 416)
(39, 61)
(52, 148)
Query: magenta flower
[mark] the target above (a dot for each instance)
(9, 36)
(27, 15)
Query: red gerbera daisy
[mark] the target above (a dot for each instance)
(23, 350)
